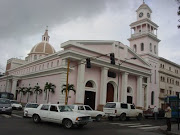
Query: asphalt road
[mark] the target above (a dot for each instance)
(17, 125)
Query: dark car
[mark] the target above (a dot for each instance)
(149, 113)
(5, 106)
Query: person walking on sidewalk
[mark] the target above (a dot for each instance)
(168, 117)
(155, 111)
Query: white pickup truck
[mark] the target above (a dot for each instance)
(122, 111)
(86, 109)
(61, 114)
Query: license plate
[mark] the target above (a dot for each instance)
(3, 109)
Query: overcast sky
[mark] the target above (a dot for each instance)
(23, 22)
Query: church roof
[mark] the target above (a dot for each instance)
(43, 47)
(144, 6)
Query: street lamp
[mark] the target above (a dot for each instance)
(133, 58)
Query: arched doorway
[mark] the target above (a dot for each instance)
(110, 93)
(90, 94)
(129, 95)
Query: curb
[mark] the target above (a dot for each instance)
(167, 132)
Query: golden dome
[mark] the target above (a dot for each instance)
(43, 48)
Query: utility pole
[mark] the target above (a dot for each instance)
(67, 81)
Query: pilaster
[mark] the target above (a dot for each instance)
(124, 87)
(139, 92)
(80, 84)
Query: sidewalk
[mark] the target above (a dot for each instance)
(174, 130)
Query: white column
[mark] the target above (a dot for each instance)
(139, 91)
(63, 77)
(14, 84)
(103, 89)
(80, 84)
(8, 86)
(147, 94)
(124, 87)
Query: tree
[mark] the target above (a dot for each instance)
(49, 87)
(29, 92)
(37, 90)
(22, 91)
(70, 88)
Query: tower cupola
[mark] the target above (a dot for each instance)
(143, 12)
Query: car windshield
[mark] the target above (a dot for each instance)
(71, 106)
(5, 101)
(32, 105)
(65, 109)
(110, 105)
(14, 102)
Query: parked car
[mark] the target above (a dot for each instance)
(29, 109)
(149, 113)
(5, 106)
(16, 105)
(86, 109)
(122, 111)
(61, 114)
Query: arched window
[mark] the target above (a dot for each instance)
(155, 49)
(150, 47)
(142, 46)
(89, 84)
(48, 65)
(35, 57)
(135, 48)
(152, 98)
(57, 62)
(51, 64)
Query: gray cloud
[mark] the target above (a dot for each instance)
(23, 22)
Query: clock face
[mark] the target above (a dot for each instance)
(148, 15)
(141, 14)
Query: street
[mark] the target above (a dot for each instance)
(17, 125)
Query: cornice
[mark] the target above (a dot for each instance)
(144, 35)
(72, 55)
(168, 61)
(160, 71)
(143, 21)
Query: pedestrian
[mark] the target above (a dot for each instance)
(155, 111)
(168, 117)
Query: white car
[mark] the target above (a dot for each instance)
(29, 109)
(122, 111)
(16, 105)
(86, 109)
(61, 114)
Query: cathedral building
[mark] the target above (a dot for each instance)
(139, 75)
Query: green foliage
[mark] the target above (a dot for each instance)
(37, 90)
(70, 88)
(49, 87)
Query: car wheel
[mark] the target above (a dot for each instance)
(110, 118)
(139, 117)
(80, 126)
(98, 118)
(123, 117)
(67, 124)
(146, 117)
(36, 118)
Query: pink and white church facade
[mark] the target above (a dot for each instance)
(138, 80)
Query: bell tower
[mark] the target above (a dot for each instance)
(144, 42)
(143, 38)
